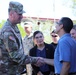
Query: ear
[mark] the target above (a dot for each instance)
(61, 26)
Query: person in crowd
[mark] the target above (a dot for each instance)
(28, 42)
(41, 49)
(12, 57)
(28, 39)
(55, 39)
(64, 57)
(73, 32)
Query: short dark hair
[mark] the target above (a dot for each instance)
(74, 27)
(36, 32)
(67, 24)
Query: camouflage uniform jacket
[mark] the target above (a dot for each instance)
(28, 43)
(12, 57)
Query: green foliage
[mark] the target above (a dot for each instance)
(71, 4)
(45, 27)
(1, 23)
(74, 21)
(21, 31)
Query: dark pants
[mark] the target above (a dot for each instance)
(46, 73)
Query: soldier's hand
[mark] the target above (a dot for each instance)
(33, 60)
(40, 61)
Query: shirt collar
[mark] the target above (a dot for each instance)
(66, 34)
(29, 36)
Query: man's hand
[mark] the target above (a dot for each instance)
(39, 73)
(40, 61)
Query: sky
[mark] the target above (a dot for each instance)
(39, 8)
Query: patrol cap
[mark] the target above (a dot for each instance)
(16, 6)
(28, 24)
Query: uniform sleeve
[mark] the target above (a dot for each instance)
(12, 47)
(10, 42)
(16, 55)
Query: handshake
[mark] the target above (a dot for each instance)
(38, 61)
(41, 61)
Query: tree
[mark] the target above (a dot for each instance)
(70, 4)
(1, 23)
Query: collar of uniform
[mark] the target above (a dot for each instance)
(29, 36)
(13, 25)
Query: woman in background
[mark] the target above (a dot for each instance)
(41, 49)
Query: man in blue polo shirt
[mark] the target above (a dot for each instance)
(65, 53)
(64, 57)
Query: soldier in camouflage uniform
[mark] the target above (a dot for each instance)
(28, 39)
(28, 42)
(12, 57)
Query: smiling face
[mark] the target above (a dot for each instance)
(58, 27)
(73, 33)
(39, 39)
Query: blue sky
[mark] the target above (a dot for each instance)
(39, 8)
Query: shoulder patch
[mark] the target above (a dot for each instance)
(12, 38)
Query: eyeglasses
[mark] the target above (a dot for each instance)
(59, 23)
(38, 37)
(54, 35)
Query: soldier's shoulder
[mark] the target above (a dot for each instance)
(6, 27)
(25, 37)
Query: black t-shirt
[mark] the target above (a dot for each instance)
(54, 45)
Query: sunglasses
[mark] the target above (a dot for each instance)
(54, 35)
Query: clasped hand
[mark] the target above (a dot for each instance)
(40, 62)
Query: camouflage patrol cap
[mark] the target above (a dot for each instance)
(28, 24)
(16, 6)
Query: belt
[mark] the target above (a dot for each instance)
(69, 73)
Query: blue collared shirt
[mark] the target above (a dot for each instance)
(65, 51)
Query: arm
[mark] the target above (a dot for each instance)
(65, 68)
(49, 61)
(50, 56)
(64, 57)
(42, 61)
(39, 73)
(35, 68)
(15, 53)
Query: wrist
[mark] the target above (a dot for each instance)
(33, 60)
